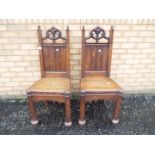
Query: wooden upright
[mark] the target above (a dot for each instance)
(96, 83)
(54, 52)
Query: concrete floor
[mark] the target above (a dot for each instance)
(137, 117)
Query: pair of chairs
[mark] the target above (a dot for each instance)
(95, 84)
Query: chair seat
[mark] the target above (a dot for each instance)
(99, 84)
(61, 85)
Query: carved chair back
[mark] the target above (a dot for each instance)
(54, 53)
(96, 52)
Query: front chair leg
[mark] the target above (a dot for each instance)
(68, 121)
(82, 120)
(117, 109)
(32, 109)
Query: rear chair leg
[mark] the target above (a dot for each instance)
(32, 109)
(82, 120)
(117, 109)
(68, 121)
(46, 103)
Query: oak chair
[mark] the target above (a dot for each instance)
(54, 85)
(96, 83)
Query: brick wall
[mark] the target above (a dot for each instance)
(133, 59)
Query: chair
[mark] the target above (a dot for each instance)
(54, 85)
(96, 83)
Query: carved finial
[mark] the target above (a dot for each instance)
(67, 28)
(112, 28)
(39, 28)
(83, 28)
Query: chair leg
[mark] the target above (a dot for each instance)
(117, 109)
(46, 102)
(68, 121)
(82, 120)
(32, 109)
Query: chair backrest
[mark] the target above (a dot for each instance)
(96, 52)
(54, 52)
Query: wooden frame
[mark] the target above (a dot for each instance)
(52, 66)
(97, 65)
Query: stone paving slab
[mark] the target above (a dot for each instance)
(137, 118)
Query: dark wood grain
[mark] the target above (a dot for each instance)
(54, 63)
(96, 62)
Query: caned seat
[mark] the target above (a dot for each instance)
(54, 85)
(96, 83)
(103, 84)
(61, 85)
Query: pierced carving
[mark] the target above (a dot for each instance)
(53, 33)
(97, 34)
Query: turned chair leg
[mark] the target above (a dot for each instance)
(32, 109)
(116, 112)
(82, 120)
(68, 121)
